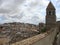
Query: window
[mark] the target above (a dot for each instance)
(49, 12)
(52, 12)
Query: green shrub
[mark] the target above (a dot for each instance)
(43, 29)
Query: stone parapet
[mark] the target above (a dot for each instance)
(47, 37)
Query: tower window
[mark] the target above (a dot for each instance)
(49, 12)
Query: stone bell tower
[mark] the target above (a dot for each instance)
(50, 16)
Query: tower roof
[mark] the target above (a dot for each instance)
(50, 6)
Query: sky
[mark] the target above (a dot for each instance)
(26, 11)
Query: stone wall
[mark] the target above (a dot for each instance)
(48, 40)
(41, 39)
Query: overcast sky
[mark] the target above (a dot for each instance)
(27, 11)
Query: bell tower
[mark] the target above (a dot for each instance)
(50, 16)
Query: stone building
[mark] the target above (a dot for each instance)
(50, 16)
(19, 26)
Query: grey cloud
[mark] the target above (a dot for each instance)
(9, 5)
(19, 1)
(32, 20)
(4, 11)
(0, 2)
(35, 20)
(19, 16)
(10, 8)
(33, 4)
